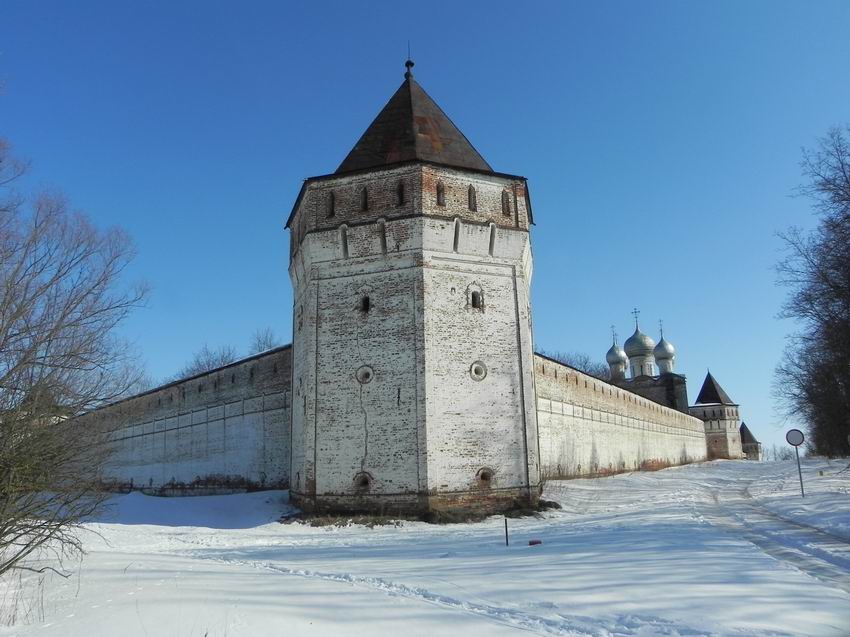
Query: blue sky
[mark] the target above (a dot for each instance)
(661, 141)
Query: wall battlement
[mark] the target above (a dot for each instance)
(590, 427)
(225, 428)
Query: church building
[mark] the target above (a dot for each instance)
(411, 384)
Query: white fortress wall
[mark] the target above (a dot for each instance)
(228, 428)
(590, 427)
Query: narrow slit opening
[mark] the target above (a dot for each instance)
(457, 235)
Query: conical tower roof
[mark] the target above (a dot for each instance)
(712, 393)
(412, 127)
(747, 437)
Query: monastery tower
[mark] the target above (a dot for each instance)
(722, 420)
(412, 366)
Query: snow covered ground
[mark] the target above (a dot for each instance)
(723, 548)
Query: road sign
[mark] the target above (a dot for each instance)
(795, 437)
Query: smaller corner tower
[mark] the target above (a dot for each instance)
(750, 446)
(721, 418)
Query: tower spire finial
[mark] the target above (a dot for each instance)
(636, 313)
(408, 64)
(614, 334)
(661, 327)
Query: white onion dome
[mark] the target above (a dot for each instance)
(639, 344)
(664, 351)
(616, 355)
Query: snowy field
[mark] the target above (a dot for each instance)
(723, 548)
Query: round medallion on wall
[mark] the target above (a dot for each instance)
(364, 375)
(478, 371)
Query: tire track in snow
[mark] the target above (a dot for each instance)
(753, 502)
(811, 551)
(564, 625)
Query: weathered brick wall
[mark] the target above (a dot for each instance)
(229, 427)
(419, 181)
(590, 427)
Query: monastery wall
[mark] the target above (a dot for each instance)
(590, 427)
(228, 428)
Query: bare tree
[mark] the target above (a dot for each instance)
(61, 299)
(263, 340)
(813, 378)
(581, 362)
(207, 359)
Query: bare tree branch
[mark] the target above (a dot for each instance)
(61, 300)
(812, 380)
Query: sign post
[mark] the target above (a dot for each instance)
(795, 438)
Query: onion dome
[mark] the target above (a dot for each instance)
(664, 351)
(616, 355)
(639, 344)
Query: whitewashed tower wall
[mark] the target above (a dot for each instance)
(425, 399)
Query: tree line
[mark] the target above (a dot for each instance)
(812, 379)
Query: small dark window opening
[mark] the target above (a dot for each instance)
(343, 237)
(457, 235)
(473, 204)
(362, 481)
(506, 204)
(331, 205)
(364, 199)
(232, 378)
(251, 374)
(485, 477)
(365, 304)
(400, 193)
(274, 369)
(441, 194)
(476, 300)
(200, 388)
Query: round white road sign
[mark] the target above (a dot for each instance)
(794, 437)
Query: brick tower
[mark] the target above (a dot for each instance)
(721, 418)
(412, 378)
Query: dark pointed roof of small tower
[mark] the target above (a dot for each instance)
(712, 393)
(747, 437)
(412, 127)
